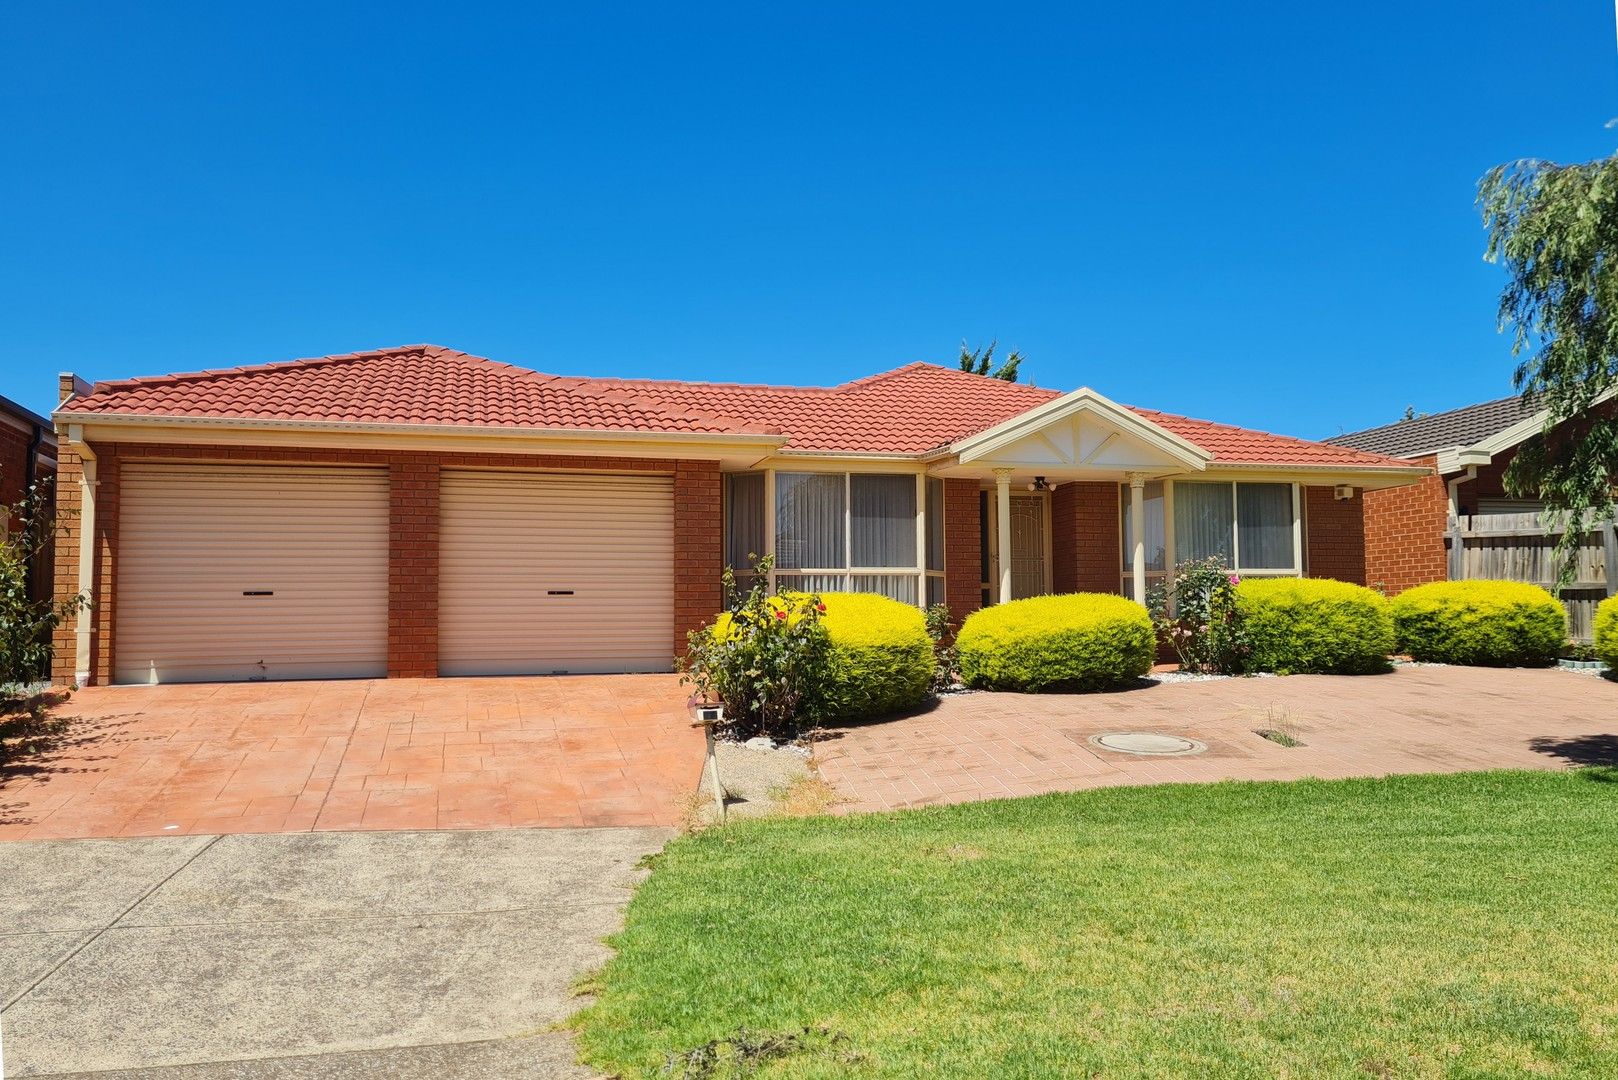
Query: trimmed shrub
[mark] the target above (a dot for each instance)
(1606, 632)
(1082, 641)
(881, 657)
(1314, 626)
(1483, 623)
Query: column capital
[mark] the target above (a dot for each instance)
(1003, 476)
(1137, 480)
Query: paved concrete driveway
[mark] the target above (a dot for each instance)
(404, 954)
(362, 754)
(1417, 719)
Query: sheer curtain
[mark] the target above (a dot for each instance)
(935, 524)
(1204, 522)
(1156, 531)
(1264, 526)
(809, 521)
(744, 520)
(884, 521)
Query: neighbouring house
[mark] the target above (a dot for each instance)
(1461, 522)
(27, 458)
(417, 511)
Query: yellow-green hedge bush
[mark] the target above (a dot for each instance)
(1314, 626)
(1606, 632)
(881, 657)
(1081, 641)
(1483, 623)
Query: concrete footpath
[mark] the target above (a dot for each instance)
(402, 954)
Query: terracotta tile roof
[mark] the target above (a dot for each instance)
(1243, 446)
(909, 410)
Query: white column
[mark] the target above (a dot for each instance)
(1002, 503)
(1137, 528)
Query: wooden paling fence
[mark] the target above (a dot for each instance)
(1522, 547)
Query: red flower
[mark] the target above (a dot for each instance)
(821, 608)
(780, 614)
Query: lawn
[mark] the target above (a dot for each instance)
(1413, 926)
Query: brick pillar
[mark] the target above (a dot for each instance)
(1404, 533)
(1334, 535)
(963, 549)
(64, 642)
(1086, 555)
(413, 569)
(699, 547)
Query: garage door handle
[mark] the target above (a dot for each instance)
(258, 592)
(558, 592)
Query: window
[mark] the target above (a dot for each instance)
(832, 532)
(1253, 528)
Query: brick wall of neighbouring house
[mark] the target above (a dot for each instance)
(413, 542)
(1086, 552)
(699, 547)
(963, 551)
(1334, 535)
(413, 568)
(1404, 534)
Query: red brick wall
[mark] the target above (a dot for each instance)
(963, 548)
(1334, 535)
(413, 569)
(1404, 534)
(1086, 552)
(699, 547)
(413, 543)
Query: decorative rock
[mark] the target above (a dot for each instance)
(760, 742)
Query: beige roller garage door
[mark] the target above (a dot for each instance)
(242, 572)
(542, 573)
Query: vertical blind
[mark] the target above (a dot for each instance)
(744, 512)
(883, 520)
(809, 514)
(1204, 522)
(935, 524)
(1264, 526)
(1157, 548)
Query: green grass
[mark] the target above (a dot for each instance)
(1461, 926)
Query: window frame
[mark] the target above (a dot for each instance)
(919, 574)
(1171, 556)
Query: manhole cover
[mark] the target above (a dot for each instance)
(1144, 742)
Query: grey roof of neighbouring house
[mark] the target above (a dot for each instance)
(1426, 434)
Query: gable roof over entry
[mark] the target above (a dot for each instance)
(916, 411)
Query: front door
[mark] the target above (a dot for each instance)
(1030, 564)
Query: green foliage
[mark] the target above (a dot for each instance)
(767, 659)
(881, 659)
(1555, 227)
(1081, 641)
(941, 629)
(981, 362)
(1483, 623)
(1196, 615)
(26, 624)
(1606, 632)
(1299, 626)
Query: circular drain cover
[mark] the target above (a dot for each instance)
(1143, 742)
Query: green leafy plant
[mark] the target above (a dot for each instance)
(881, 659)
(1080, 641)
(767, 660)
(1297, 626)
(1483, 623)
(1605, 639)
(27, 623)
(1196, 614)
(981, 362)
(941, 630)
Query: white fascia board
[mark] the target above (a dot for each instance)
(1081, 400)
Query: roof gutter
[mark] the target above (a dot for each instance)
(144, 420)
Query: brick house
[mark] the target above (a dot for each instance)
(416, 511)
(27, 457)
(1408, 530)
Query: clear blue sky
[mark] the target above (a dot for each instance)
(1254, 213)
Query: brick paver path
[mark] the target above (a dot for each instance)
(383, 754)
(1418, 719)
